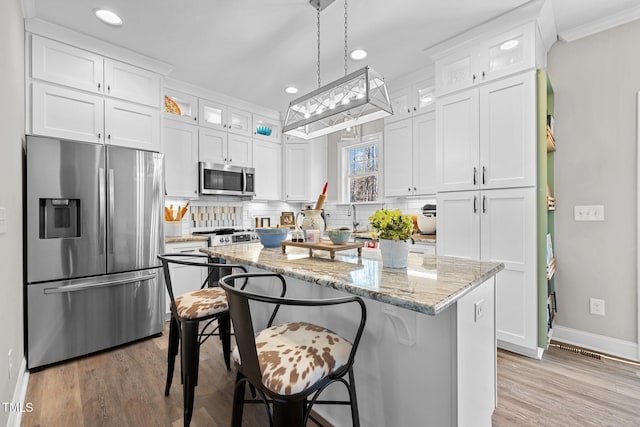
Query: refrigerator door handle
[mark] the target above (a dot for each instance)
(111, 210)
(101, 208)
(85, 286)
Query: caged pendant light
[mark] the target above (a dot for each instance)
(356, 98)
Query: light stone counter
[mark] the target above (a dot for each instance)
(428, 285)
(187, 238)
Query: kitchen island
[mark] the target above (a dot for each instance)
(428, 353)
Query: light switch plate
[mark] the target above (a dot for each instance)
(588, 213)
(478, 308)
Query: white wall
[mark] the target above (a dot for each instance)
(11, 137)
(595, 81)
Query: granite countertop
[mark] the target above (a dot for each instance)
(186, 238)
(428, 285)
(418, 237)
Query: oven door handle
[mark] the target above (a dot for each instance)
(85, 286)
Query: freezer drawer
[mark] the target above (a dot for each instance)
(72, 318)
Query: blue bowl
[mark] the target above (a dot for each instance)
(271, 237)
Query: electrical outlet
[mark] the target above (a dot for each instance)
(596, 306)
(478, 308)
(588, 213)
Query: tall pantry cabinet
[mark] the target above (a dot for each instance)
(488, 179)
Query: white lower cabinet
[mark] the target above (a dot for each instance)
(409, 155)
(499, 226)
(268, 170)
(131, 125)
(67, 113)
(180, 159)
(185, 278)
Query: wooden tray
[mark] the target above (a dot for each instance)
(324, 246)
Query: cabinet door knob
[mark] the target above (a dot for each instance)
(99, 86)
(474, 78)
(109, 88)
(195, 118)
(99, 135)
(109, 137)
(484, 204)
(414, 109)
(475, 204)
(475, 176)
(483, 75)
(408, 110)
(230, 160)
(409, 189)
(484, 170)
(414, 189)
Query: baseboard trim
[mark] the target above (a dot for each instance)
(601, 343)
(534, 353)
(19, 394)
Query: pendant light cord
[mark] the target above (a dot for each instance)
(318, 10)
(345, 37)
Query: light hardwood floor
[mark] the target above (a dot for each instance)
(125, 387)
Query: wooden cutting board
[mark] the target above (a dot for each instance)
(332, 248)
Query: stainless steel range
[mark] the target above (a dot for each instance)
(229, 236)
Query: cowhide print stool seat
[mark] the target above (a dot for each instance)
(205, 305)
(288, 364)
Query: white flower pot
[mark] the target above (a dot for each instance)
(394, 253)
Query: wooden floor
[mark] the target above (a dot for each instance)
(125, 387)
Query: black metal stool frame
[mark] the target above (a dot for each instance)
(288, 410)
(186, 335)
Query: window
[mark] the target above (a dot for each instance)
(361, 166)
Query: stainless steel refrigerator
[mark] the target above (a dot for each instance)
(93, 231)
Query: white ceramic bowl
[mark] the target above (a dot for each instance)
(427, 224)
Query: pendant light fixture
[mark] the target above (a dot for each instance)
(354, 99)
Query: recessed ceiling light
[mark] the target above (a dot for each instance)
(108, 17)
(509, 44)
(358, 54)
(291, 90)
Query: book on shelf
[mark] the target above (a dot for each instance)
(549, 249)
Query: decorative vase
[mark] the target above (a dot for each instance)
(394, 253)
(312, 221)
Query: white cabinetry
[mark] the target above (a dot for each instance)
(409, 156)
(297, 181)
(485, 138)
(305, 168)
(411, 100)
(180, 159)
(187, 105)
(219, 146)
(268, 129)
(219, 116)
(185, 278)
(88, 111)
(65, 113)
(500, 226)
(268, 170)
(502, 55)
(124, 81)
(131, 125)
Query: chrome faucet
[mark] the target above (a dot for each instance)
(355, 218)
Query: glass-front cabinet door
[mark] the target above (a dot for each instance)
(212, 114)
(508, 53)
(424, 96)
(180, 106)
(238, 121)
(268, 129)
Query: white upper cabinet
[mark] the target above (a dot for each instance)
(508, 132)
(297, 181)
(457, 141)
(268, 129)
(424, 154)
(219, 116)
(486, 137)
(239, 150)
(268, 170)
(131, 125)
(180, 147)
(131, 83)
(508, 53)
(398, 150)
(65, 113)
(180, 106)
(412, 100)
(218, 146)
(66, 65)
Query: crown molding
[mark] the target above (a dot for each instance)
(601, 24)
(28, 9)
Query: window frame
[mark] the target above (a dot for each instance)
(343, 165)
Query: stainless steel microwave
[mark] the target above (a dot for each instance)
(229, 180)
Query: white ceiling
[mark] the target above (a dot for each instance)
(252, 49)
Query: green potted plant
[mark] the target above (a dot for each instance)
(393, 230)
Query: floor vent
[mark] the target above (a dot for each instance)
(577, 350)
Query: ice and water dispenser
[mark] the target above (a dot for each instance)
(60, 218)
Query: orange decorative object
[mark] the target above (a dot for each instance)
(170, 106)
